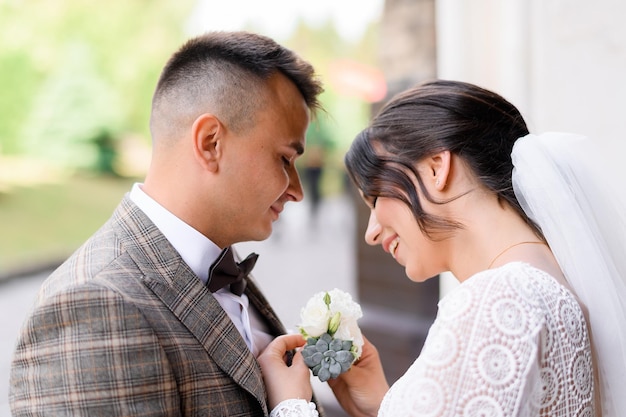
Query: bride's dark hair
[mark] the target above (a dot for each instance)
(478, 125)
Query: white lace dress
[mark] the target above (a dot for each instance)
(509, 341)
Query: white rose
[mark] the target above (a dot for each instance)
(349, 330)
(342, 302)
(315, 316)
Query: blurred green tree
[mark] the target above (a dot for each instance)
(73, 108)
(72, 71)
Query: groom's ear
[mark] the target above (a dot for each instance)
(207, 131)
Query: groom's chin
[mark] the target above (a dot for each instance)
(263, 234)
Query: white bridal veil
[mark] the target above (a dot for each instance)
(565, 185)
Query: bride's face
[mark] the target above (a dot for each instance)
(392, 225)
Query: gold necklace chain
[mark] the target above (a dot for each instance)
(511, 247)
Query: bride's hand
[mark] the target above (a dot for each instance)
(282, 381)
(361, 389)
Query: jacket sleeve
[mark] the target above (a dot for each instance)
(88, 352)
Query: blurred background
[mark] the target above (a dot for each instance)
(76, 79)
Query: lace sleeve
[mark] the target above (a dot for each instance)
(295, 408)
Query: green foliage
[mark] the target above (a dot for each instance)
(19, 80)
(73, 70)
(74, 106)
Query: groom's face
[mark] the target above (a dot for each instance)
(260, 162)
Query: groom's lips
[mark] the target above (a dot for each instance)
(277, 209)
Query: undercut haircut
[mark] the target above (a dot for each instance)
(224, 73)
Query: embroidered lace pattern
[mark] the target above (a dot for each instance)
(295, 408)
(509, 341)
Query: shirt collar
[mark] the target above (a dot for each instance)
(198, 251)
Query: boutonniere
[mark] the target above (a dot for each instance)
(333, 338)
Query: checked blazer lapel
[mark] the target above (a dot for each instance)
(190, 300)
(184, 294)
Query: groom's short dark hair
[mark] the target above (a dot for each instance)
(223, 72)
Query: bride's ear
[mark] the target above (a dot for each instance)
(439, 169)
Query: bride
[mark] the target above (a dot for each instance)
(533, 232)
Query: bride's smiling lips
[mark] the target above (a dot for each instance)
(391, 244)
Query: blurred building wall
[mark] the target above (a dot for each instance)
(562, 62)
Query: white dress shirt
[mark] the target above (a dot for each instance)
(199, 253)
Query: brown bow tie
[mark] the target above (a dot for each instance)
(225, 271)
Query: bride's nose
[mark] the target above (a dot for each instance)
(372, 234)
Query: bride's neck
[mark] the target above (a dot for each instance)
(495, 234)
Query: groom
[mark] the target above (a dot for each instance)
(128, 325)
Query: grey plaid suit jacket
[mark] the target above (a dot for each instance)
(125, 328)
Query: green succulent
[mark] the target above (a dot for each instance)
(328, 357)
